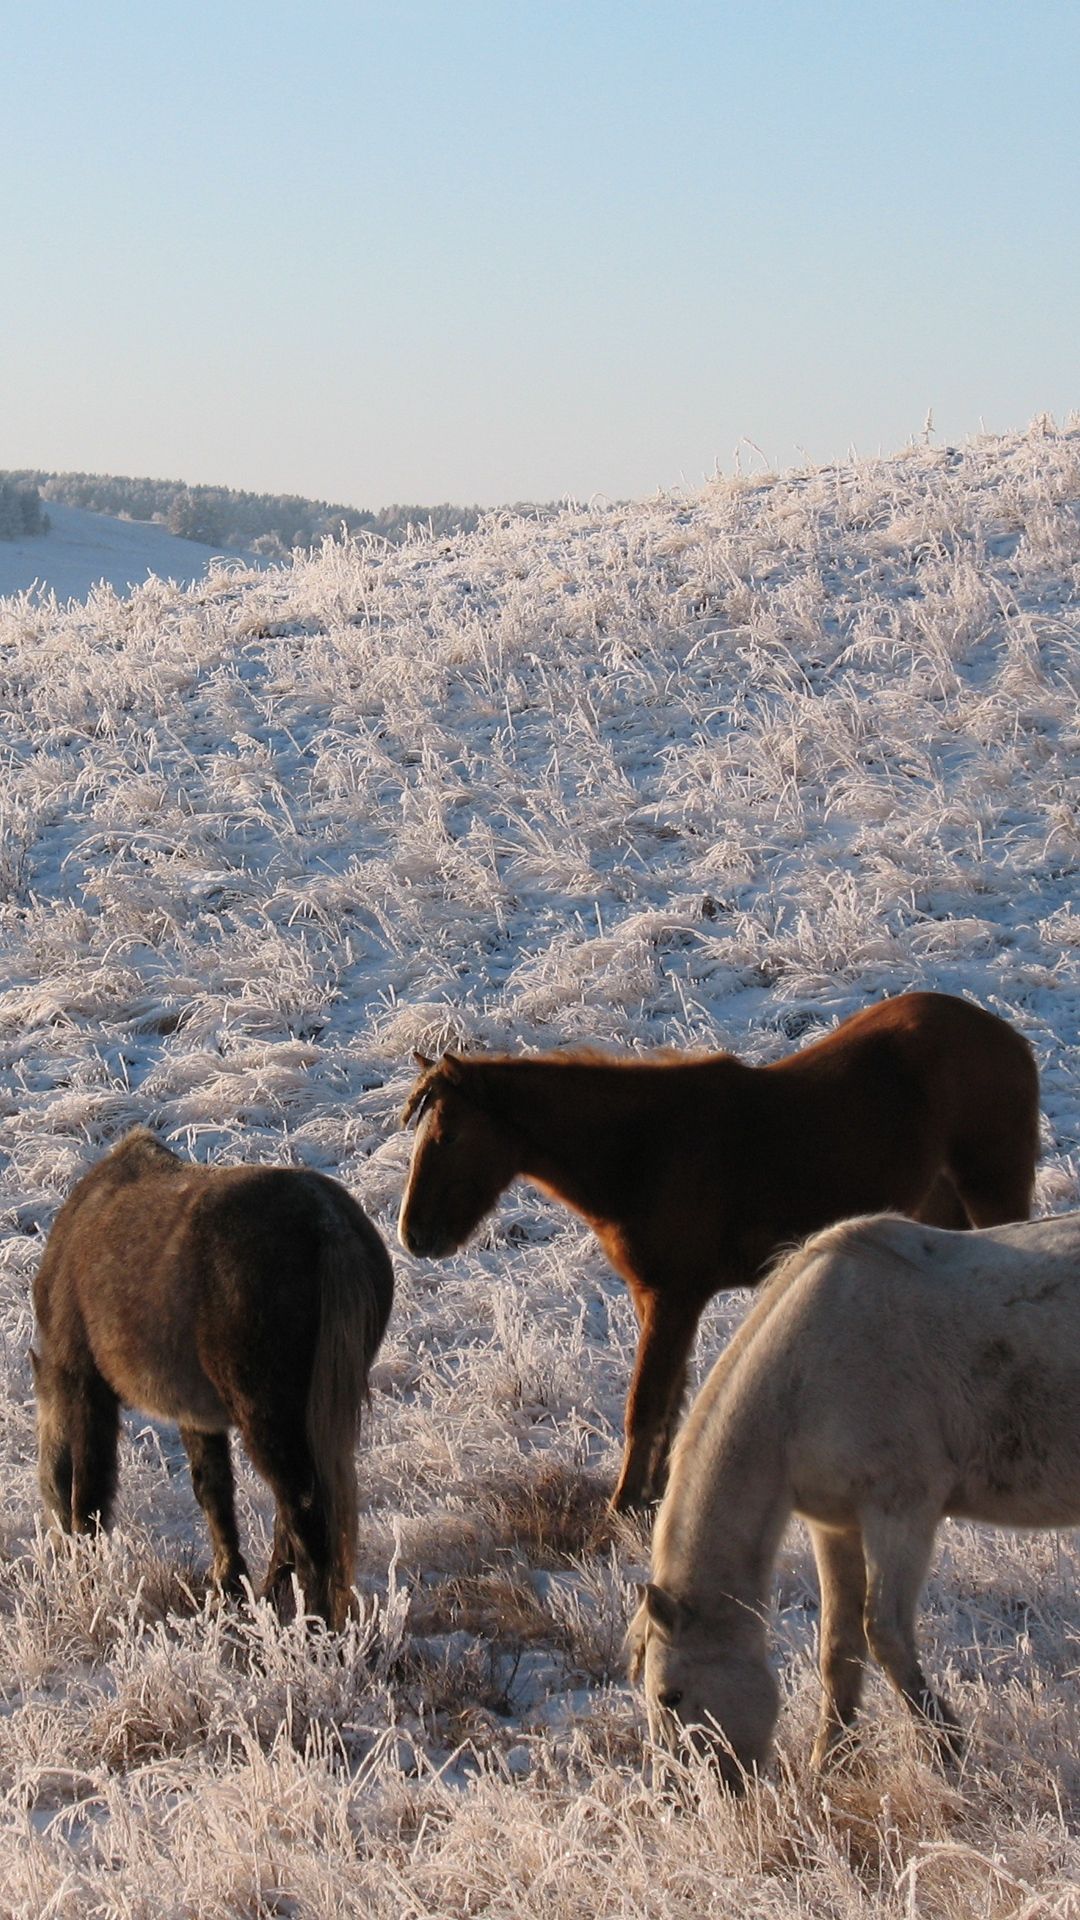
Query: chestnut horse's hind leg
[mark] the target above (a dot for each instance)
(212, 1479)
(842, 1573)
(55, 1476)
(667, 1333)
(995, 1191)
(898, 1549)
(943, 1207)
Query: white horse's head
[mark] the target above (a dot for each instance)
(702, 1693)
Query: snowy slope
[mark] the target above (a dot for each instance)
(715, 769)
(82, 549)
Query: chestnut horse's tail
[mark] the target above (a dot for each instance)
(355, 1292)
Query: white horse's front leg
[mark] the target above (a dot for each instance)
(899, 1548)
(843, 1653)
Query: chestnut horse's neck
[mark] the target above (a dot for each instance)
(590, 1132)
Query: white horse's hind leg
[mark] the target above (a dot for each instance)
(898, 1552)
(842, 1574)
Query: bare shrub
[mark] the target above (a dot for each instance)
(501, 1607)
(548, 1516)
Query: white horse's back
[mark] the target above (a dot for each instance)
(908, 1362)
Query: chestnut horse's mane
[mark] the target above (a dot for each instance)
(453, 1068)
(424, 1090)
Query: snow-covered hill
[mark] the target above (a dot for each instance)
(715, 769)
(83, 549)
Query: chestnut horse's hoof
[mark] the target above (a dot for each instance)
(635, 1506)
(834, 1749)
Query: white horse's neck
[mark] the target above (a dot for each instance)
(728, 1501)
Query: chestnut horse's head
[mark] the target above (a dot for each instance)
(461, 1160)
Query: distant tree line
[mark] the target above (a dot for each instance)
(267, 523)
(21, 511)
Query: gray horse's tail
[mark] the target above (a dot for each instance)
(355, 1291)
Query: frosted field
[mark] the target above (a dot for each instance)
(717, 769)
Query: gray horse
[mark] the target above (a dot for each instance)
(253, 1297)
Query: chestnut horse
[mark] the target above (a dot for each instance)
(695, 1172)
(889, 1374)
(253, 1297)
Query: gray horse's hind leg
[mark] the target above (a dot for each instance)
(842, 1573)
(212, 1479)
(53, 1439)
(898, 1552)
(93, 1425)
(279, 1450)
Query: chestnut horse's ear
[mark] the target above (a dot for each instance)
(422, 1061)
(664, 1610)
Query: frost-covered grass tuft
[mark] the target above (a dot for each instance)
(713, 770)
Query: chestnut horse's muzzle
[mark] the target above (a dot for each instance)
(426, 1242)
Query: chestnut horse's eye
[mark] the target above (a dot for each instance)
(671, 1697)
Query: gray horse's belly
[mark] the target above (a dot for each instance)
(191, 1401)
(168, 1384)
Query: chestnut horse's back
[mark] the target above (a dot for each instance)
(973, 1089)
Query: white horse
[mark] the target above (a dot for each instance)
(890, 1374)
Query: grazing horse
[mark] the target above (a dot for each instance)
(253, 1297)
(890, 1374)
(695, 1172)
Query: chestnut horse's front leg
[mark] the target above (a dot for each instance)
(668, 1325)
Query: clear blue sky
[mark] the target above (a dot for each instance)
(478, 251)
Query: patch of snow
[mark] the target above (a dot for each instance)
(83, 549)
